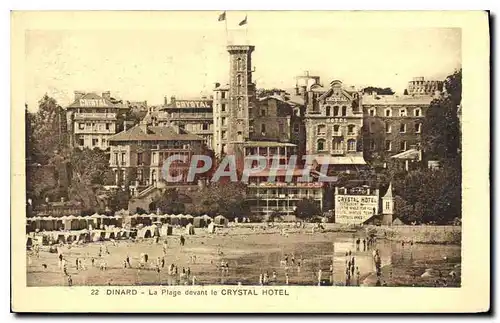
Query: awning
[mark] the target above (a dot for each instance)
(412, 154)
(340, 160)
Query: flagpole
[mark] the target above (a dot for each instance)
(227, 36)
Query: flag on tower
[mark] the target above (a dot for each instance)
(222, 16)
(243, 22)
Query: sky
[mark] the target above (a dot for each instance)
(152, 55)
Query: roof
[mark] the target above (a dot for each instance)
(102, 103)
(412, 154)
(396, 99)
(268, 144)
(340, 160)
(388, 193)
(153, 133)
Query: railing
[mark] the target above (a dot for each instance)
(95, 115)
(196, 115)
(338, 152)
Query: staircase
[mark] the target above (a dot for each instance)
(144, 198)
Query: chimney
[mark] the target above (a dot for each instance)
(144, 126)
(79, 95)
(106, 95)
(165, 101)
(124, 125)
(172, 99)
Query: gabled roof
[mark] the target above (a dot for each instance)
(388, 193)
(329, 92)
(154, 134)
(93, 96)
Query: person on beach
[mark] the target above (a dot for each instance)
(347, 277)
(261, 279)
(162, 262)
(358, 241)
(320, 273)
(92, 260)
(124, 264)
(364, 244)
(266, 278)
(70, 281)
(60, 260)
(274, 276)
(293, 259)
(128, 261)
(286, 279)
(357, 276)
(182, 240)
(352, 266)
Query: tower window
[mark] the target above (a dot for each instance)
(223, 106)
(335, 111)
(238, 79)
(328, 111)
(223, 95)
(344, 111)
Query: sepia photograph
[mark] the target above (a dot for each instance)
(243, 150)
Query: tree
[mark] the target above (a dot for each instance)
(170, 202)
(378, 90)
(47, 127)
(405, 92)
(307, 209)
(441, 128)
(88, 168)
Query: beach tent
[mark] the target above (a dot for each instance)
(166, 230)
(175, 220)
(189, 218)
(95, 236)
(220, 220)
(397, 221)
(189, 229)
(183, 220)
(148, 232)
(109, 235)
(199, 222)
(61, 238)
(207, 218)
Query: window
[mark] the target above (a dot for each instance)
(224, 135)
(263, 112)
(204, 126)
(351, 145)
(81, 126)
(139, 175)
(223, 96)
(281, 128)
(388, 128)
(328, 111)
(418, 127)
(417, 112)
(402, 112)
(223, 106)
(388, 145)
(263, 128)
(81, 142)
(108, 126)
(336, 129)
(296, 127)
(321, 145)
(95, 141)
(103, 142)
(402, 145)
(371, 112)
(402, 128)
(344, 111)
(351, 129)
(337, 144)
(388, 112)
(116, 158)
(321, 129)
(335, 111)
(387, 205)
(372, 144)
(240, 103)
(224, 121)
(153, 176)
(239, 64)
(123, 158)
(238, 79)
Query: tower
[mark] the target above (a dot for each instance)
(387, 206)
(241, 93)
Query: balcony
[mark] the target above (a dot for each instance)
(95, 116)
(338, 152)
(337, 133)
(186, 116)
(94, 130)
